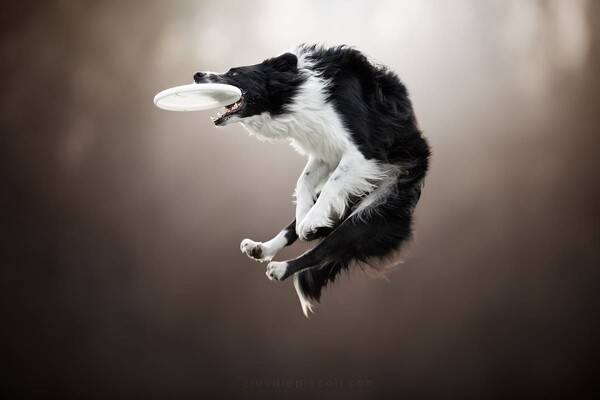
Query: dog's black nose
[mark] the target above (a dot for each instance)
(199, 76)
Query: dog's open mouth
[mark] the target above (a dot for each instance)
(230, 111)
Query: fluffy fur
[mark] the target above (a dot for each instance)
(367, 158)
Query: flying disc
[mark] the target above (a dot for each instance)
(197, 96)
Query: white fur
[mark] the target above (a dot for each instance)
(276, 270)
(384, 187)
(267, 250)
(304, 302)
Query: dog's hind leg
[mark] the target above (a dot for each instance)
(360, 237)
(266, 251)
(280, 270)
(369, 236)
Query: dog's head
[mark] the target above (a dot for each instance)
(268, 87)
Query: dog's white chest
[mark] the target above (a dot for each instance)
(312, 125)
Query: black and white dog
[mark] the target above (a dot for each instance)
(367, 158)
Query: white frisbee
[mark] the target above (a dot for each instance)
(197, 96)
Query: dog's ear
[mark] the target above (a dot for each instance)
(287, 62)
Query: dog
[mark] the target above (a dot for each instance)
(367, 158)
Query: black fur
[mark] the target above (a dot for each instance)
(375, 108)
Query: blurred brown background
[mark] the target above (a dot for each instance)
(121, 273)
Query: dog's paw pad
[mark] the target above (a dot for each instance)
(277, 270)
(254, 250)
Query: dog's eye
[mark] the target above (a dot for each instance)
(232, 73)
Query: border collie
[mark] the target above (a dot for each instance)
(367, 158)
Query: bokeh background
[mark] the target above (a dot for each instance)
(120, 268)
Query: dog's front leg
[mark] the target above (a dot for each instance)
(310, 182)
(260, 251)
(354, 176)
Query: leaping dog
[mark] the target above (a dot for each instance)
(367, 158)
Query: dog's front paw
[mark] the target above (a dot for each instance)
(307, 228)
(277, 270)
(255, 250)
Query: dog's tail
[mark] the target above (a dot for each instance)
(310, 282)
